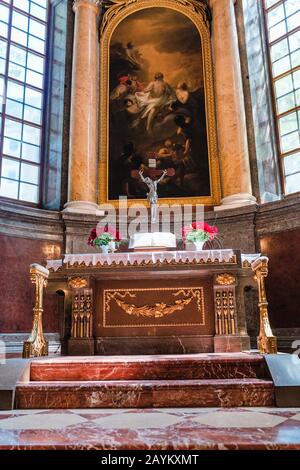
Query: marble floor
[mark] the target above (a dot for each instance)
(156, 429)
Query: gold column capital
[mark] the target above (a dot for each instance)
(38, 272)
(95, 4)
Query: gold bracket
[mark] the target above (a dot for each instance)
(266, 342)
(36, 345)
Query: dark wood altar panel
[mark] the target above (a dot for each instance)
(152, 308)
(188, 330)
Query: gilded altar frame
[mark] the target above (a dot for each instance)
(197, 12)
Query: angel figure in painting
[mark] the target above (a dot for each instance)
(152, 195)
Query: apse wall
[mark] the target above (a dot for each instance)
(30, 235)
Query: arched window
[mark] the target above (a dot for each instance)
(23, 34)
(282, 19)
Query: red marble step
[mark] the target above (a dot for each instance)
(145, 394)
(197, 366)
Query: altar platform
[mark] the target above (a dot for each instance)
(156, 381)
(153, 303)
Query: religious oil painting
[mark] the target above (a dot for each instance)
(157, 106)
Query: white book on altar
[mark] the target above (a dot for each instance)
(152, 240)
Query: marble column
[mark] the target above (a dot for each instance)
(231, 119)
(82, 190)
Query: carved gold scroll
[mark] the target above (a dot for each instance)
(266, 341)
(36, 345)
(225, 304)
(82, 309)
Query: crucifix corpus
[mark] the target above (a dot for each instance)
(152, 183)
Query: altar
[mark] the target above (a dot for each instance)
(153, 303)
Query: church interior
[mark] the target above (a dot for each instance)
(149, 225)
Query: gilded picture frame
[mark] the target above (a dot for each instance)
(116, 12)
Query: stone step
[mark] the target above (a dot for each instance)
(175, 367)
(145, 394)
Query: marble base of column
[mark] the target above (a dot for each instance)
(231, 343)
(82, 207)
(81, 347)
(236, 200)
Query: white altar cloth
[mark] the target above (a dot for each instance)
(149, 258)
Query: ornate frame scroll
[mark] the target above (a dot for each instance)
(198, 13)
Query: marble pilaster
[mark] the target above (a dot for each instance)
(232, 131)
(82, 191)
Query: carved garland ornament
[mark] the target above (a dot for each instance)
(159, 310)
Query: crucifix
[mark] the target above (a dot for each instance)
(152, 182)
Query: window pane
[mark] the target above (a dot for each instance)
(286, 102)
(281, 66)
(15, 109)
(37, 29)
(12, 147)
(13, 129)
(10, 168)
(294, 41)
(15, 91)
(275, 16)
(22, 94)
(291, 6)
(20, 21)
(1, 87)
(19, 36)
(22, 5)
(3, 48)
(28, 192)
(31, 135)
(31, 152)
(35, 62)
(295, 59)
(34, 79)
(32, 115)
(3, 30)
(279, 50)
(292, 164)
(288, 123)
(290, 142)
(36, 44)
(2, 66)
(284, 86)
(17, 55)
(9, 188)
(277, 31)
(39, 12)
(4, 13)
(33, 98)
(292, 183)
(29, 173)
(293, 21)
(17, 72)
(296, 78)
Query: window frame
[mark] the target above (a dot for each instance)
(276, 115)
(44, 92)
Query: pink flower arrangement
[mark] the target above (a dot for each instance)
(199, 231)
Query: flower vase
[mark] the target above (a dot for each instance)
(104, 249)
(112, 246)
(199, 245)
